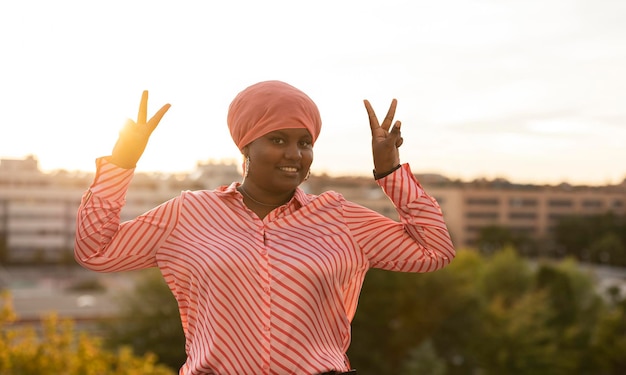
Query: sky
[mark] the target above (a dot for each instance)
(533, 91)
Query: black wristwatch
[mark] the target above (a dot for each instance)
(378, 176)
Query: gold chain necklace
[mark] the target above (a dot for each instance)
(241, 188)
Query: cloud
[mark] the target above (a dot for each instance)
(527, 123)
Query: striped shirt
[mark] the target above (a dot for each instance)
(271, 296)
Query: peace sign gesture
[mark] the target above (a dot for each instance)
(133, 138)
(385, 142)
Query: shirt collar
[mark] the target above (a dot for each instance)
(300, 198)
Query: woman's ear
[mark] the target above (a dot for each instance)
(245, 163)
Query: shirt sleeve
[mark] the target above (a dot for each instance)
(104, 244)
(419, 242)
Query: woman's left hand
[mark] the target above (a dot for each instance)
(385, 142)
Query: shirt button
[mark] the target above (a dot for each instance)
(263, 252)
(266, 289)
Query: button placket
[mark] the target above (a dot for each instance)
(266, 290)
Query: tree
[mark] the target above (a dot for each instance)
(4, 249)
(506, 277)
(599, 238)
(609, 341)
(487, 315)
(495, 238)
(515, 340)
(57, 348)
(398, 312)
(609, 249)
(149, 321)
(424, 360)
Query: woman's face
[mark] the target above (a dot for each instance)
(280, 160)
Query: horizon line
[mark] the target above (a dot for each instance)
(234, 162)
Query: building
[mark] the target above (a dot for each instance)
(528, 210)
(37, 209)
(469, 207)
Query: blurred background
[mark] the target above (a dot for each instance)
(530, 91)
(513, 117)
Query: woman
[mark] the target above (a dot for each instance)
(266, 277)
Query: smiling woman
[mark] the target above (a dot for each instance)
(275, 127)
(267, 278)
(275, 165)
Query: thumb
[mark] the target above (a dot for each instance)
(128, 125)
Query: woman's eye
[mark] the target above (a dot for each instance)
(306, 143)
(277, 141)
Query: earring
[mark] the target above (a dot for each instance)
(308, 174)
(246, 168)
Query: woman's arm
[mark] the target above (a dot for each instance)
(419, 242)
(104, 244)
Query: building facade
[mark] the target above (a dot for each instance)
(37, 209)
(531, 211)
(470, 207)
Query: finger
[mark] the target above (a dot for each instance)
(372, 115)
(390, 114)
(143, 108)
(395, 133)
(154, 120)
(396, 127)
(128, 126)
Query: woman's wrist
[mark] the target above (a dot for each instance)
(378, 176)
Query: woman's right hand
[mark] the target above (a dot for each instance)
(385, 141)
(134, 136)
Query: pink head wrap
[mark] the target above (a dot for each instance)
(268, 106)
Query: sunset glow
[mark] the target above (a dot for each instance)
(530, 91)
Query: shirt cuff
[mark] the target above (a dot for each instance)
(111, 180)
(401, 186)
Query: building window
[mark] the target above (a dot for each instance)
(483, 201)
(592, 203)
(560, 203)
(523, 202)
(557, 217)
(481, 215)
(522, 215)
(523, 230)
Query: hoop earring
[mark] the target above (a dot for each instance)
(246, 169)
(308, 174)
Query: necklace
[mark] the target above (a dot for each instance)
(256, 201)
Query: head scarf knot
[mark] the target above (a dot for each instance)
(268, 106)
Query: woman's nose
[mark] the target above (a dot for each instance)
(292, 151)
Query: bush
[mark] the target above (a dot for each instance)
(56, 348)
